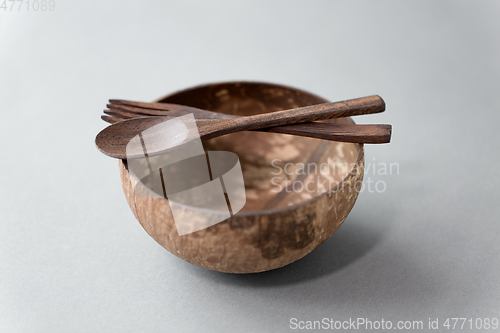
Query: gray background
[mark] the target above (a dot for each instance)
(72, 256)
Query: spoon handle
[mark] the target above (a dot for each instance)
(353, 107)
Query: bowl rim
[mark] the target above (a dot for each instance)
(271, 211)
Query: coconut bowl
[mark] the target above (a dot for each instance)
(298, 190)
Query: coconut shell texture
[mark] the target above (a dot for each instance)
(280, 222)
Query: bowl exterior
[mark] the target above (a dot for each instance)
(252, 241)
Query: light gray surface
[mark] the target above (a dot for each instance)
(72, 256)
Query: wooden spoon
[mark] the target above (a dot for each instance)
(324, 131)
(122, 109)
(114, 140)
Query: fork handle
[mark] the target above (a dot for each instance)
(337, 132)
(348, 108)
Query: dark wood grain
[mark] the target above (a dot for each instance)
(340, 132)
(332, 132)
(353, 107)
(173, 110)
(113, 140)
(110, 119)
(367, 105)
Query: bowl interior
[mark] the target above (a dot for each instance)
(279, 170)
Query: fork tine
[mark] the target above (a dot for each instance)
(158, 109)
(129, 115)
(136, 110)
(109, 119)
(155, 106)
(122, 114)
(114, 117)
(175, 110)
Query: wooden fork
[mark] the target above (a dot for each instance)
(120, 110)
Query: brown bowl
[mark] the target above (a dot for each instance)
(287, 215)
